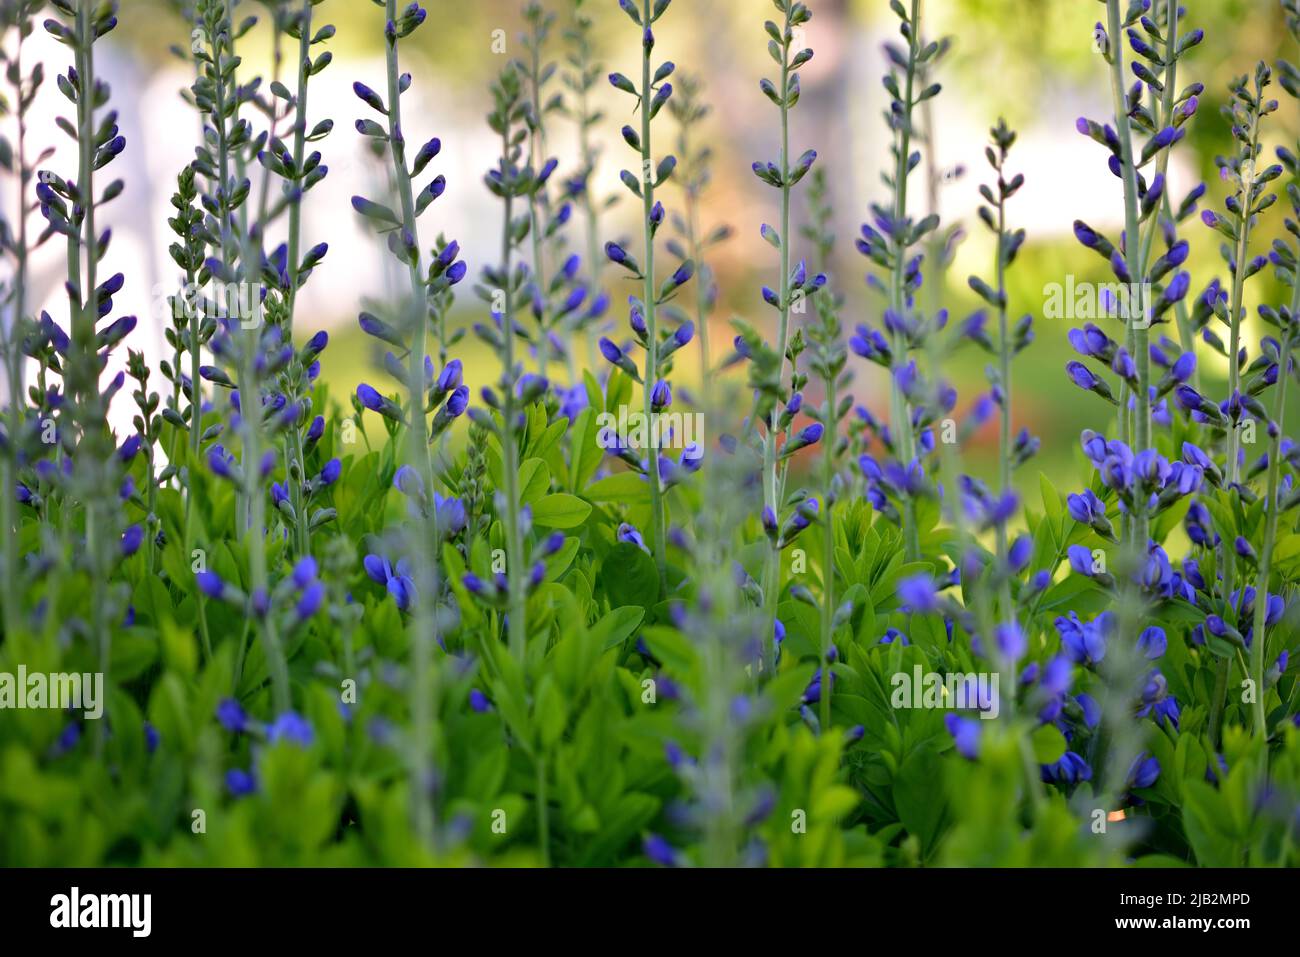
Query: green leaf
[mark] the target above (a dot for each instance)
(626, 487)
(587, 454)
(1048, 744)
(630, 576)
(616, 627)
(560, 510)
(534, 480)
(1051, 500)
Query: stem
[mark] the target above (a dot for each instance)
(589, 165)
(1238, 293)
(1004, 357)
(14, 362)
(1257, 650)
(829, 439)
(701, 286)
(299, 149)
(537, 200)
(900, 408)
(516, 622)
(659, 516)
(1137, 331)
(772, 483)
(94, 437)
(425, 620)
(293, 441)
(1234, 432)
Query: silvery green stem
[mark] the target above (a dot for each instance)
(582, 85)
(516, 622)
(829, 440)
(299, 150)
(424, 622)
(659, 516)
(253, 526)
(14, 357)
(293, 437)
(1238, 294)
(1186, 338)
(537, 204)
(1004, 374)
(696, 245)
(87, 314)
(900, 408)
(1140, 434)
(772, 483)
(1234, 429)
(1258, 638)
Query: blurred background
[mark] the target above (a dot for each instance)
(1031, 61)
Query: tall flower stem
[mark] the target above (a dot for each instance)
(771, 470)
(581, 82)
(1244, 220)
(293, 436)
(900, 409)
(1165, 118)
(689, 111)
(829, 359)
(13, 341)
(1258, 642)
(1229, 553)
(424, 622)
(1139, 432)
(658, 511)
(516, 622)
(537, 200)
(230, 143)
(1007, 244)
(86, 314)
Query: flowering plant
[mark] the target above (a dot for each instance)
(448, 615)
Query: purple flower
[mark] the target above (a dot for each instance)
(232, 716)
(210, 584)
(451, 376)
(458, 401)
(965, 735)
(1143, 772)
(1152, 642)
(918, 593)
(658, 849)
(292, 728)
(330, 473)
(1069, 769)
(1010, 640)
(628, 533)
(1084, 643)
(1084, 507)
(240, 783)
(661, 396)
(1080, 559)
(313, 597)
(131, 539)
(1081, 375)
(407, 481)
